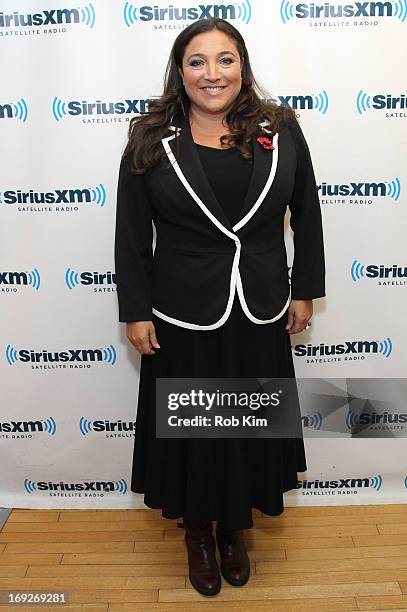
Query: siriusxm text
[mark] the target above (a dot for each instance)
(57, 196)
(26, 355)
(353, 189)
(352, 346)
(343, 483)
(76, 486)
(188, 13)
(46, 17)
(327, 10)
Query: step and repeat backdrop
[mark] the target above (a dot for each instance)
(72, 76)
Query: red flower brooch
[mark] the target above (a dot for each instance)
(265, 142)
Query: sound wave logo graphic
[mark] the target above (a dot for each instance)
(58, 108)
(363, 102)
(34, 279)
(110, 355)
(99, 195)
(400, 11)
(244, 11)
(376, 482)
(121, 486)
(85, 426)
(286, 10)
(385, 347)
(88, 15)
(320, 101)
(357, 270)
(50, 426)
(314, 421)
(71, 278)
(393, 187)
(352, 419)
(11, 355)
(20, 110)
(30, 486)
(129, 14)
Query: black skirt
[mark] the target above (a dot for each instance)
(206, 478)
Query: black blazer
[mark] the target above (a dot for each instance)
(200, 260)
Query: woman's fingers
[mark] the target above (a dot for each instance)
(290, 320)
(299, 325)
(153, 337)
(143, 344)
(143, 337)
(299, 313)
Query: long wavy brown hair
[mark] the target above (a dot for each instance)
(251, 106)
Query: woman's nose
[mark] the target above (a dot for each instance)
(212, 71)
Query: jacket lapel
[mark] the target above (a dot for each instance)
(191, 168)
(186, 162)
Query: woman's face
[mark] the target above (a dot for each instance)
(211, 71)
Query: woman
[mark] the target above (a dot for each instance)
(214, 299)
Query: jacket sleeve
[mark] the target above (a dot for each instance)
(308, 270)
(133, 250)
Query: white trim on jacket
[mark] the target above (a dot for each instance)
(235, 279)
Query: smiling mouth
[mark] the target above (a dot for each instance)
(215, 89)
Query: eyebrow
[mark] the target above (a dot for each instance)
(203, 54)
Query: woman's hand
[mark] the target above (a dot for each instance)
(299, 313)
(142, 335)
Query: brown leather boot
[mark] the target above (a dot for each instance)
(203, 567)
(235, 563)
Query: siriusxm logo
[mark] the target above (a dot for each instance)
(60, 358)
(54, 17)
(86, 426)
(360, 271)
(9, 281)
(86, 487)
(328, 10)
(80, 195)
(83, 108)
(385, 189)
(374, 482)
(14, 110)
(350, 350)
(133, 15)
(17, 427)
(379, 420)
(97, 280)
(389, 102)
(313, 421)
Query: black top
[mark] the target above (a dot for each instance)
(229, 175)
